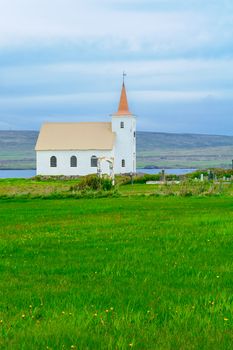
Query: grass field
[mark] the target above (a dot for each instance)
(116, 273)
(56, 188)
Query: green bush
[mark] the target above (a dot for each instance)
(143, 178)
(218, 173)
(53, 178)
(106, 184)
(93, 183)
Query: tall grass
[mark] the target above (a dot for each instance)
(92, 187)
(116, 273)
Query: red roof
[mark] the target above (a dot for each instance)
(123, 108)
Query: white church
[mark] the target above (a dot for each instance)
(89, 147)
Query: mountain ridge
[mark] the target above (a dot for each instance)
(154, 149)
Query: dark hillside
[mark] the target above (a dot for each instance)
(17, 149)
(147, 141)
(153, 150)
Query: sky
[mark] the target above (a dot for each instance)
(62, 60)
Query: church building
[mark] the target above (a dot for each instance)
(89, 147)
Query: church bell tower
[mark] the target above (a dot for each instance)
(124, 126)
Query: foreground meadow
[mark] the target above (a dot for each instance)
(55, 188)
(116, 273)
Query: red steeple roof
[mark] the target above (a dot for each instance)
(123, 108)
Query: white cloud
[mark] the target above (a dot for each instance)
(5, 125)
(183, 96)
(119, 32)
(132, 35)
(22, 20)
(142, 96)
(82, 98)
(162, 74)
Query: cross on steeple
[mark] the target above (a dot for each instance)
(124, 75)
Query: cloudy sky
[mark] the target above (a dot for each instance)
(62, 60)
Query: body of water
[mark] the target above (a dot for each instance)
(9, 174)
(17, 174)
(167, 171)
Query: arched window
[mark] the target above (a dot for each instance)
(53, 162)
(73, 162)
(123, 163)
(94, 161)
(122, 125)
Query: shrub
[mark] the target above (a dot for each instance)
(143, 178)
(106, 183)
(53, 178)
(94, 183)
(217, 173)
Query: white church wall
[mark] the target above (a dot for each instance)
(124, 149)
(125, 144)
(63, 162)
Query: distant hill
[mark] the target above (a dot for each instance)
(152, 140)
(153, 150)
(183, 150)
(17, 149)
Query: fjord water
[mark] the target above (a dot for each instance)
(10, 174)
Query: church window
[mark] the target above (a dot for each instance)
(123, 163)
(53, 162)
(73, 162)
(122, 125)
(94, 161)
(134, 134)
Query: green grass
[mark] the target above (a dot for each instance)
(34, 187)
(116, 273)
(57, 189)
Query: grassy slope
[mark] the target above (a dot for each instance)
(184, 150)
(17, 149)
(157, 149)
(116, 273)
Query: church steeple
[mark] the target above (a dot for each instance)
(124, 129)
(123, 108)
